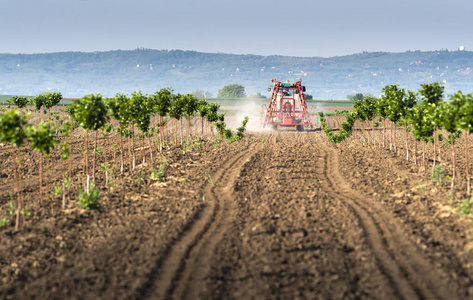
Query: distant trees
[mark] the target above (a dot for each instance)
(308, 96)
(357, 96)
(201, 94)
(232, 91)
(257, 96)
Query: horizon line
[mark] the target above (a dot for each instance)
(225, 53)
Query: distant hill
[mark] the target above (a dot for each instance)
(78, 73)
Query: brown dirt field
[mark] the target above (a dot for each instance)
(278, 215)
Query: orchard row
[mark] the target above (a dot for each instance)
(424, 114)
(150, 114)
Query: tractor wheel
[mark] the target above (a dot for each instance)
(274, 127)
(300, 127)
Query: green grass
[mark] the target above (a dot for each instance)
(243, 102)
(465, 207)
(438, 174)
(328, 103)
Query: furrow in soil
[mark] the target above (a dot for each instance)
(291, 238)
(407, 270)
(183, 267)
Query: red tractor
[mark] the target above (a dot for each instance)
(287, 106)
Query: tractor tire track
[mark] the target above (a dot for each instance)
(184, 265)
(410, 274)
(291, 239)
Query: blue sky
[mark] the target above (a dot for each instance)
(265, 27)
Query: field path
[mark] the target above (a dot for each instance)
(301, 232)
(186, 262)
(280, 215)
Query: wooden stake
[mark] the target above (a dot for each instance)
(468, 187)
(435, 156)
(18, 200)
(453, 163)
(41, 179)
(95, 155)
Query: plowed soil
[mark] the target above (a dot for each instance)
(281, 215)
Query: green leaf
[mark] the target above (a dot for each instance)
(12, 127)
(41, 138)
(90, 112)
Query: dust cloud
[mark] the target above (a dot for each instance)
(255, 113)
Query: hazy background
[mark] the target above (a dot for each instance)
(265, 27)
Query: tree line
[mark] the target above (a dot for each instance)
(424, 114)
(150, 114)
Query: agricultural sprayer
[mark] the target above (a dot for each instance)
(287, 106)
